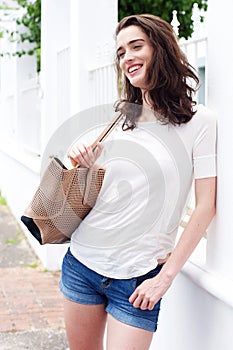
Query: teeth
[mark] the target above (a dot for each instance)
(132, 69)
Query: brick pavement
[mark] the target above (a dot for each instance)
(29, 299)
(29, 296)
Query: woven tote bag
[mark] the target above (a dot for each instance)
(64, 197)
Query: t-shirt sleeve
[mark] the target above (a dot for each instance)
(204, 150)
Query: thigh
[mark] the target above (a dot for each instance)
(84, 305)
(125, 337)
(85, 325)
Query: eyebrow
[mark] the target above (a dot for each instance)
(129, 43)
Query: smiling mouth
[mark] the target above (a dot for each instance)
(134, 68)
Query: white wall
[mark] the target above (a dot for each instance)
(55, 40)
(220, 73)
(197, 312)
(191, 318)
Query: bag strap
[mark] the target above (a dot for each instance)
(106, 132)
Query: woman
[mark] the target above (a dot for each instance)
(123, 258)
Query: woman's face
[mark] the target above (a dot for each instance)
(135, 53)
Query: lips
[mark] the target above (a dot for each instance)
(134, 68)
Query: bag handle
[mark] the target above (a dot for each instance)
(109, 128)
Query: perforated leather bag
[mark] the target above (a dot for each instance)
(64, 197)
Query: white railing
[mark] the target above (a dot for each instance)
(63, 84)
(19, 92)
(8, 125)
(103, 84)
(29, 118)
(195, 50)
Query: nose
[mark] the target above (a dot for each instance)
(128, 56)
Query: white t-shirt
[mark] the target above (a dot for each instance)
(149, 173)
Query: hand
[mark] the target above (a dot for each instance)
(149, 292)
(82, 154)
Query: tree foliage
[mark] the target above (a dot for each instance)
(163, 9)
(31, 20)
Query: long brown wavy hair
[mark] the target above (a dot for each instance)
(171, 80)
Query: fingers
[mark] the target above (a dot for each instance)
(82, 154)
(139, 300)
(147, 294)
(98, 150)
(142, 300)
(133, 296)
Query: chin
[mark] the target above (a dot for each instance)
(137, 84)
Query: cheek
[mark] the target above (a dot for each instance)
(121, 65)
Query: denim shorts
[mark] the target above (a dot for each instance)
(83, 285)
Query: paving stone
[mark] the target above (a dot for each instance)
(34, 340)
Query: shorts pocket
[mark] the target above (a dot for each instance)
(148, 275)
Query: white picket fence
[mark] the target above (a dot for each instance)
(103, 80)
(29, 117)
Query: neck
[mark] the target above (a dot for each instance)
(146, 99)
(147, 114)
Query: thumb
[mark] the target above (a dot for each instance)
(98, 150)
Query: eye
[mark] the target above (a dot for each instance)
(137, 46)
(120, 54)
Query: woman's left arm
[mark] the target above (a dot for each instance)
(150, 291)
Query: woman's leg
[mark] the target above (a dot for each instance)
(124, 337)
(85, 325)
